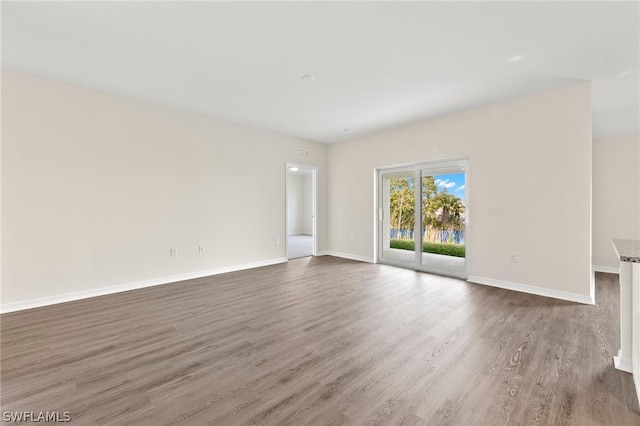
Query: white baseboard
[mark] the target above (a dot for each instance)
(607, 269)
(539, 291)
(622, 363)
(102, 291)
(346, 256)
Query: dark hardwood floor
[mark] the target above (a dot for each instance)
(321, 341)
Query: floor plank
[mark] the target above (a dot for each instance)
(320, 341)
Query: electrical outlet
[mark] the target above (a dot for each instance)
(495, 211)
(513, 258)
(173, 252)
(200, 249)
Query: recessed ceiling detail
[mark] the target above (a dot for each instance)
(383, 64)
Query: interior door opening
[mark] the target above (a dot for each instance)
(423, 217)
(301, 211)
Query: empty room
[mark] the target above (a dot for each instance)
(332, 213)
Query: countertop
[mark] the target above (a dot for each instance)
(627, 250)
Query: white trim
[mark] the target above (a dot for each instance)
(607, 269)
(346, 256)
(621, 363)
(314, 210)
(103, 291)
(539, 291)
(422, 163)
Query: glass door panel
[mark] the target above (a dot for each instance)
(398, 216)
(444, 219)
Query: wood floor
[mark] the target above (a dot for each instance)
(321, 341)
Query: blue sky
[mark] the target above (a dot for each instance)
(453, 182)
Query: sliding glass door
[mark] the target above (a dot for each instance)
(444, 215)
(398, 216)
(423, 217)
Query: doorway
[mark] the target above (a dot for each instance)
(301, 190)
(423, 217)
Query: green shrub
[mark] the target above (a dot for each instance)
(447, 249)
(403, 244)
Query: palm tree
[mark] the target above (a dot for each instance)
(445, 212)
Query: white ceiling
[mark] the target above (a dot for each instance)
(377, 65)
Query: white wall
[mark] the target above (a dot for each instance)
(97, 188)
(530, 156)
(299, 204)
(616, 199)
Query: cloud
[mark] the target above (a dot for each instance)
(444, 183)
(459, 189)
